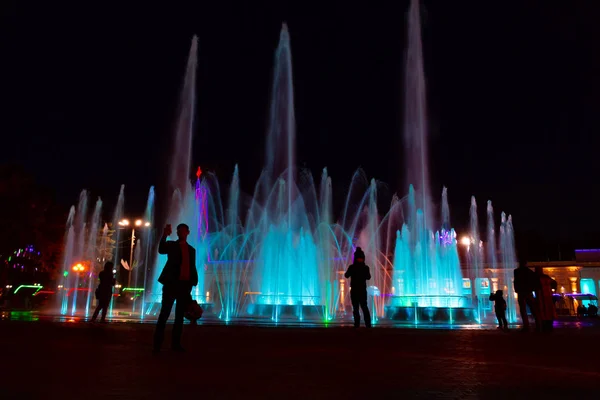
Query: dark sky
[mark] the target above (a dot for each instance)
(89, 98)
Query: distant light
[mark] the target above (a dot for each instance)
(124, 222)
(138, 222)
(465, 241)
(78, 267)
(114, 271)
(147, 224)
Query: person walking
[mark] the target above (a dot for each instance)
(359, 274)
(177, 277)
(104, 291)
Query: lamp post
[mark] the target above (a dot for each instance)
(139, 224)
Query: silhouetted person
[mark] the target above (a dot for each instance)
(545, 303)
(592, 310)
(104, 291)
(359, 274)
(525, 284)
(500, 309)
(177, 277)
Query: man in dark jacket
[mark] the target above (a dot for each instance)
(359, 274)
(525, 284)
(178, 277)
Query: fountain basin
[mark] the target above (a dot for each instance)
(286, 311)
(444, 315)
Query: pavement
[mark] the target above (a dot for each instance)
(73, 360)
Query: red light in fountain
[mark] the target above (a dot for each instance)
(199, 172)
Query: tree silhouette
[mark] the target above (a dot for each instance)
(29, 216)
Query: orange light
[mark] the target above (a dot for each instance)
(78, 267)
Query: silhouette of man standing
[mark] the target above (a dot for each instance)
(359, 274)
(177, 277)
(525, 284)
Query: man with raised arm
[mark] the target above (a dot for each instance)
(177, 277)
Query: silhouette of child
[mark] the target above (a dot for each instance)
(500, 309)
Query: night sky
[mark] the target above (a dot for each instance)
(90, 95)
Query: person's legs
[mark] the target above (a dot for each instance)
(504, 322)
(97, 311)
(168, 298)
(531, 302)
(104, 304)
(499, 318)
(183, 297)
(522, 300)
(365, 309)
(354, 297)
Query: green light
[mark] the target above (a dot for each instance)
(9, 258)
(38, 287)
(133, 289)
(65, 273)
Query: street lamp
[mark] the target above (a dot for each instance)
(465, 241)
(139, 223)
(78, 267)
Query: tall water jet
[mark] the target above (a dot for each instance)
(67, 261)
(229, 278)
(492, 257)
(334, 292)
(117, 216)
(445, 210)
(474, 255)
(147, 254)
(415, 114)
(281, 135)
(79, 247)
(509, 263)
(182, 202)
(491, 237)
(90, 253)
(286, 271)
(181, 163)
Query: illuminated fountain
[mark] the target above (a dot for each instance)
(427, 278)
(280, 252)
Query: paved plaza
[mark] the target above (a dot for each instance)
(78, 360)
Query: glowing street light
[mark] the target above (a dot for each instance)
(138, 223)
(78, 267)
(465, 241)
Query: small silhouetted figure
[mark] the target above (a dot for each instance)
(177, 277)
(500, 309)
(525, 283)
(359, 274)
(104, 291)
(592, 310)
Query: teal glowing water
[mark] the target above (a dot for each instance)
(280, 252)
